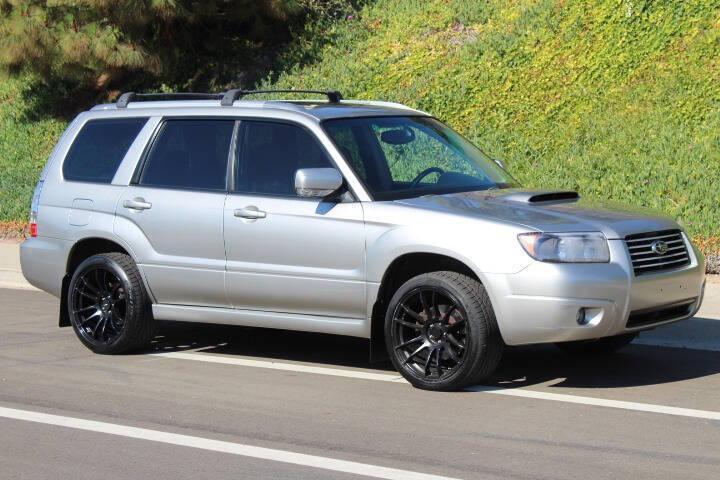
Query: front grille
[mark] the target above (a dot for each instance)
(645, 259)
(641, 318)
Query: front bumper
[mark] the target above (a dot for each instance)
(540, 304)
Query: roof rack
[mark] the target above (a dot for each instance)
(226, 98)
(229, 97)
(127, 97)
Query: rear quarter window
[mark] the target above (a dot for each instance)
(98, 149)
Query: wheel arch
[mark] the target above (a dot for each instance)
(84, 248)
(400, 270)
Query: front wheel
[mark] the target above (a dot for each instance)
(600, 346)
(108, 306)
(441, 332)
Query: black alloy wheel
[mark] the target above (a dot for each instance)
(441, 332)
(99, 305)
(108, 306)
(430, 332)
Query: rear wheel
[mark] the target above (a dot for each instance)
(108, 306)
(441, 331)
(600, 346)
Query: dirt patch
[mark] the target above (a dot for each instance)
(13, 230)
(712, 263)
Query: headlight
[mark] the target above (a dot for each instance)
(588, 247)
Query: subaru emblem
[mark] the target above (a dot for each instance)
(659, 247)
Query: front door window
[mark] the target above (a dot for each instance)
(271, 153)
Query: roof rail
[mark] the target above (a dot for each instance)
(127, 97)
(229, 97)
(226, 98)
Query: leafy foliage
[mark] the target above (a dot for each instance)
(617, 99)
(24, 147)
(91, 47)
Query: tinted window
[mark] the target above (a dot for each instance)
(190, 154)
(344, 137)
(271, 153)
(98, 149)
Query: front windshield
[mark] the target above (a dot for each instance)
(403, 157)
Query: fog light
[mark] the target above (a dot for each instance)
(582, 317)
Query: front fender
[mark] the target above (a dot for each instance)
(482, 250)
(487, 248)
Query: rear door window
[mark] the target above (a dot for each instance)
(190, 154)
(99, 148)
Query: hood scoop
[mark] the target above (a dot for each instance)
(543, 197)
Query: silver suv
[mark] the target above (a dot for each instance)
(367, 219)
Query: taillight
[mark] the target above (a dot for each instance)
(34, 205)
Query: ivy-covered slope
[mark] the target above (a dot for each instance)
(617, 99)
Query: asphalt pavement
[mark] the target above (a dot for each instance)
(230, 402)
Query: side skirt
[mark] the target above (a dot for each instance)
(354, 327)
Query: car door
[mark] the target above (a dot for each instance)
(172, 214)
(286, 253)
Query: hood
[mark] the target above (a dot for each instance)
(547, 211)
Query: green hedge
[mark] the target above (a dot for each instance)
(617, 99)
(25, 143)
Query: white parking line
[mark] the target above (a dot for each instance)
(600, 402)
(394, 378)
(291, 367)
(271, 454)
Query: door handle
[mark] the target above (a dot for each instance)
(137, 204)
(249, 212)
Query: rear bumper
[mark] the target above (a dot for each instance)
(43, 261)
(541, 303)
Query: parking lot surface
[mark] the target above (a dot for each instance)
(229, 402)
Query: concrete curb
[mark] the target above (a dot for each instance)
(697, 333)
(15, 281)
(10, 273)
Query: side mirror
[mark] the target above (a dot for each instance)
(317, 182)
(501, 164)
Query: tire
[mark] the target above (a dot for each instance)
(601, 346)
(108, 306)
(445, 319)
